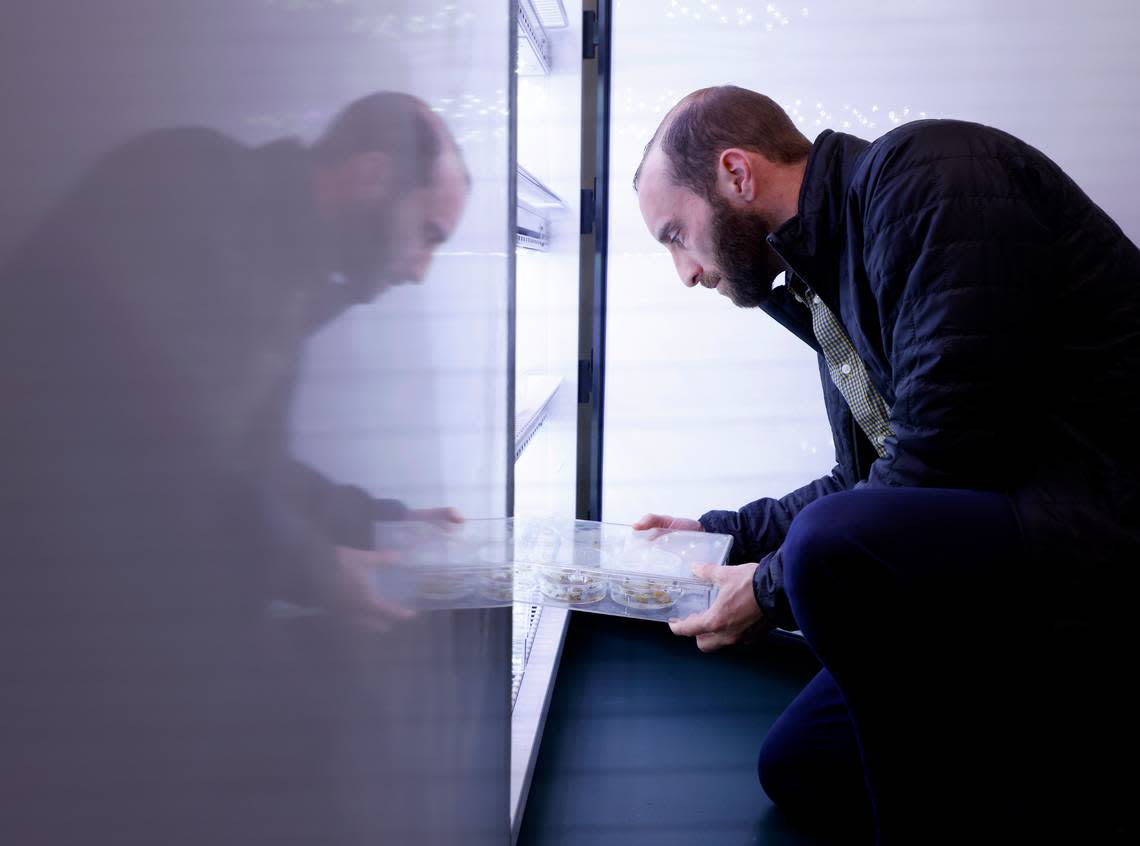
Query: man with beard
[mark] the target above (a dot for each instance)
(961, 574)
(154, 328)
(181, 280)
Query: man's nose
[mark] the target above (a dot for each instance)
(418, 267)
(689, 271)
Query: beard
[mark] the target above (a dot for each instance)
(364, 248)
(747, 264)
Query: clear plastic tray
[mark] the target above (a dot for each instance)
(601, 567)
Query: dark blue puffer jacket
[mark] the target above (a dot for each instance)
(997, 310)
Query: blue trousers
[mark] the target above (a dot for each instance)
(949, 709)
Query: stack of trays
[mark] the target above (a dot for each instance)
(601, 567)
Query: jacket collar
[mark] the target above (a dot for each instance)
(810, 242)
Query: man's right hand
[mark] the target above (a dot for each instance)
(664, 521)
(350, 589)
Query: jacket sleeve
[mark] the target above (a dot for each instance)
(759, 527)
(956, 257)
(301, 517)
(768, 588)
(344, 513)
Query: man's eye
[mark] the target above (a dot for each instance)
(676, 239)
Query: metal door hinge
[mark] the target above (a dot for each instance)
(586, 218)
(585, 379)
(591, 39)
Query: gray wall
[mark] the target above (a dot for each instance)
(185, 657)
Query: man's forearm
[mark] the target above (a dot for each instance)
(343, 513)
(768, 588)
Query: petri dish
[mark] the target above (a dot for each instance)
(443, 586)
(645, 594)
(498, 584)
(572, 586)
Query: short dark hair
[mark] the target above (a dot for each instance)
(709, 121)
(389, 122)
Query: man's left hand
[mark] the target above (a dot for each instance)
(734, 614)
(439, 516)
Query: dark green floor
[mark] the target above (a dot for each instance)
(648, 741)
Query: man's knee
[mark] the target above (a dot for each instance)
(821, 537)
(776, 767)
(815, 778)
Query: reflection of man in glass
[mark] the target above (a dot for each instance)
(158, 317)
(154, 326)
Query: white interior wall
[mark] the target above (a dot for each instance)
(546, 334)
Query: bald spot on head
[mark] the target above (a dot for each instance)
(450, 163)
(708, 121)
(663, 127)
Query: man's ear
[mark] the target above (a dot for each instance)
(735, 179)
(369, 176)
